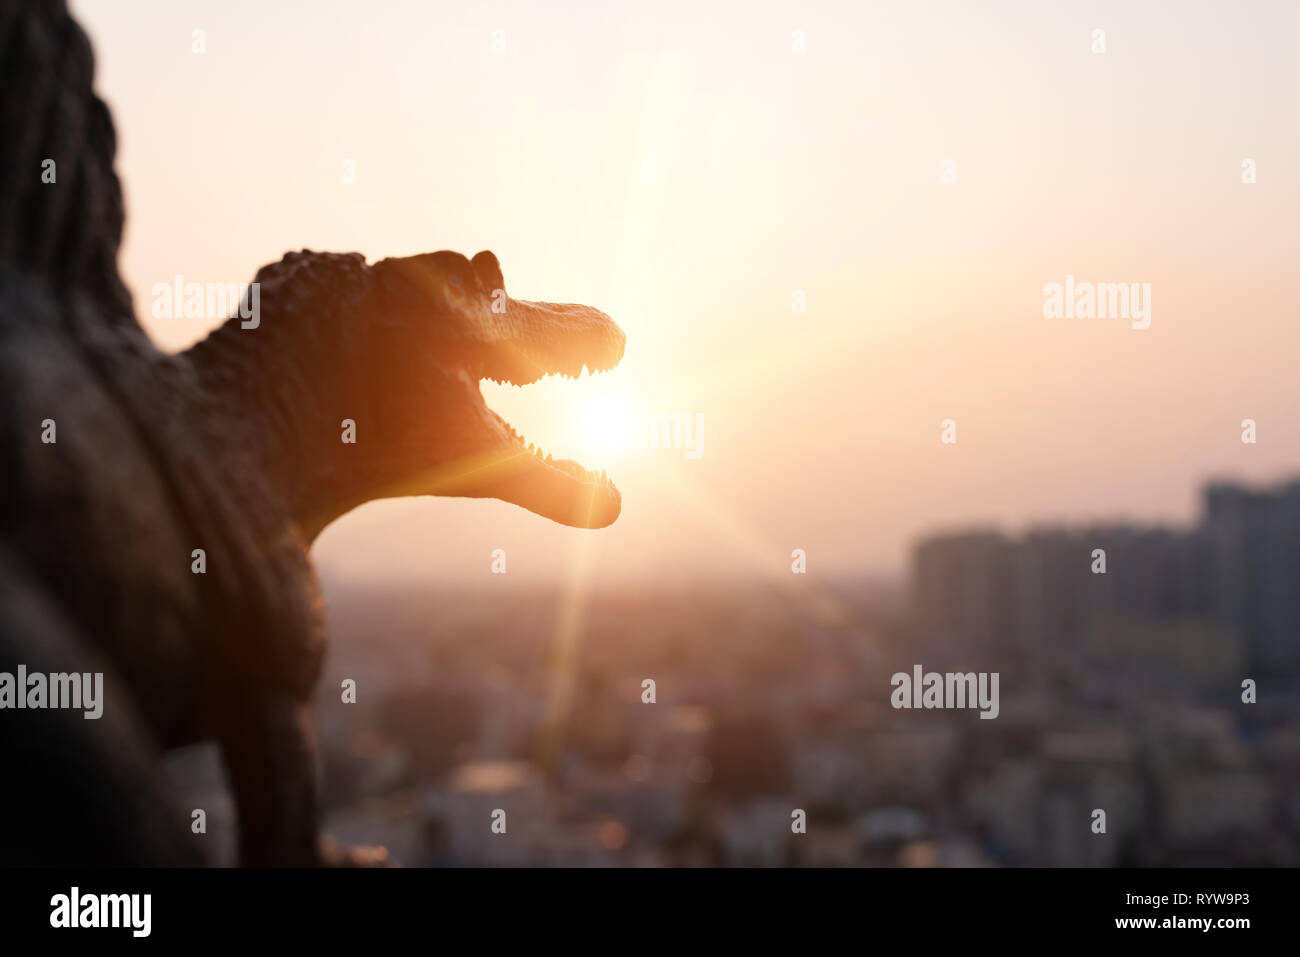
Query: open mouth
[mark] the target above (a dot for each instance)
(518, 342)
(553, 339)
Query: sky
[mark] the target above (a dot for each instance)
(913, 173)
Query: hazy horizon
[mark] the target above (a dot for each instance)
(687, 171)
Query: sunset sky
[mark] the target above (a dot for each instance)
(680, 166)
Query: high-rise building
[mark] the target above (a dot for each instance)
(1041, 605)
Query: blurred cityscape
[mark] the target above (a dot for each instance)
(1120, 690)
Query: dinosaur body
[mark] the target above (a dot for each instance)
(232, 448)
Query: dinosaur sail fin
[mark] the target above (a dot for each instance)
(61, 208)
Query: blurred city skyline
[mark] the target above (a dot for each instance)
(689, 171)
(1157, 682)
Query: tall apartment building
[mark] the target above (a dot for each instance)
(1036, 602)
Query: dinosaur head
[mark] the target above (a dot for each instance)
(442, 323)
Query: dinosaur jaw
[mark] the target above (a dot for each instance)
(538, 339)
(558, 489)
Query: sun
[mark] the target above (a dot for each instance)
(593, 420)
(604, 425)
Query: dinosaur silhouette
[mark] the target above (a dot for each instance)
(234, 447)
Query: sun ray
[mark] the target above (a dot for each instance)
(750, 545)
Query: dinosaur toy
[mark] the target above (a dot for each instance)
(157, 509)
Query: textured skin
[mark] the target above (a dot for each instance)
(232, 447)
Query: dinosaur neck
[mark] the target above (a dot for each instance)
(261, 406)
(274, 392)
